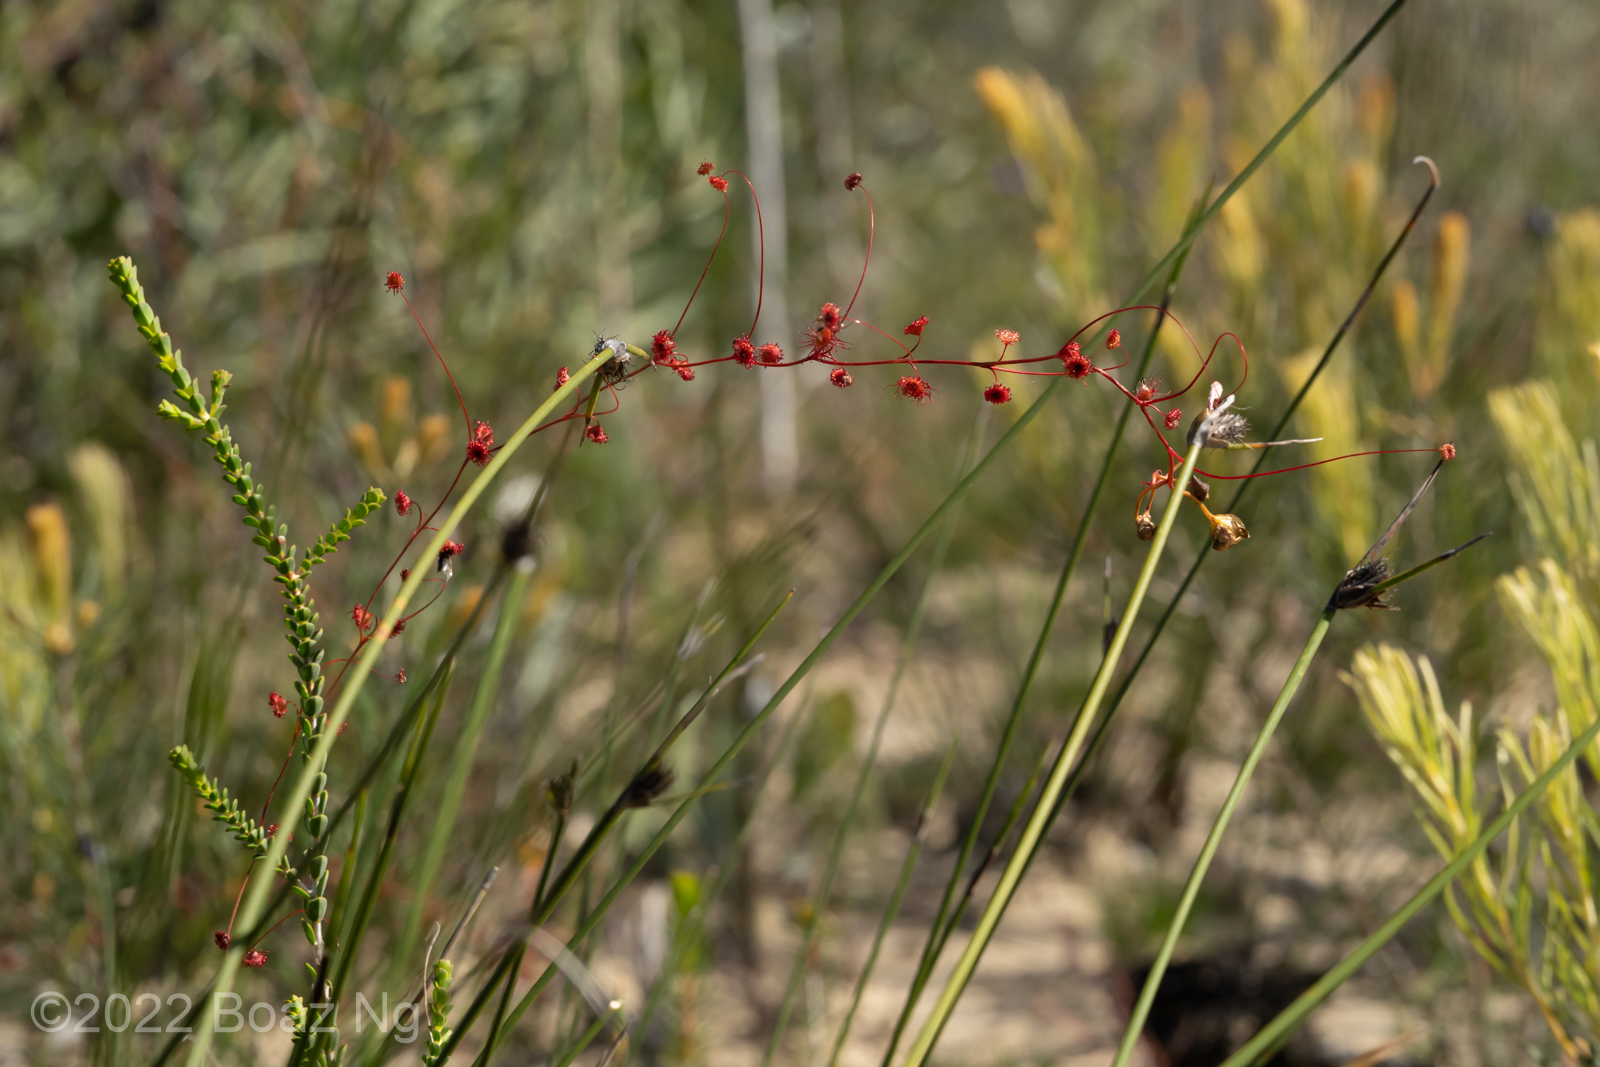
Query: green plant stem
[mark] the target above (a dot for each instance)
(892, 910)
(380, 867)
(1261, 460)
(455, 787)
(944, 920)
(584, 1041)
(255, 899)
(819, 902)
(1278, 1030)
(544, 905)
(760, 718)
(347, 874)
(1033, 832)
(1191, 889)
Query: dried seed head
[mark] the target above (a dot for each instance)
(1199, 489)
(853, 182)
(560, 790)
(1359, 589)
(648, 786)
(223, 939)
(998, 394)
(1144, 526)
(915, 328)
(705, 168)
(841, 377)
(614, 371)
(1227, 531)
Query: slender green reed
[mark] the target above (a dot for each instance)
(1271, 1037)
(1033, 832)
(908, 641)
(896, 898)
(255, 899)
(466, 748)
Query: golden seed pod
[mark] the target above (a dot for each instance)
(1227, 531)
(1145, 527)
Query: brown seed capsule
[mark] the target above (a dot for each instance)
(1145, 527)
(1200, 490)
(647, 786)
(1227, 531)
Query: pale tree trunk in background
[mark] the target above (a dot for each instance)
(835, 149)
(763, 121)
(603, 82)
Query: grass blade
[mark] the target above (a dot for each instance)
(1034, 831)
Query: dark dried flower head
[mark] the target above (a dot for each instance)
(1073, 361)
(405, 572)
(1359, 589)
(915, 388)
(853, 182)
(663, 349)
(915, 328)
(279, 706)
(1222, 427)
(1145, 527)
(254, 958)
(223, 939)
(560, 790)
(1199, 489)
(648, 786)
(449, 552)
(402, 502)
(998, 394)
(705, 168)
(394, 282)
(614, 371)
(770, 354)
(841, 377)
(597, 434)
(1227, 531)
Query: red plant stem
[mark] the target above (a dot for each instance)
(240, 895)
(442, 363)
(1318, 463)
(727, 210)
(761, 248)
(275, 925)
(872, 229)
(286, 758)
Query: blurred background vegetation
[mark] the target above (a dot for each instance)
(529, 167)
